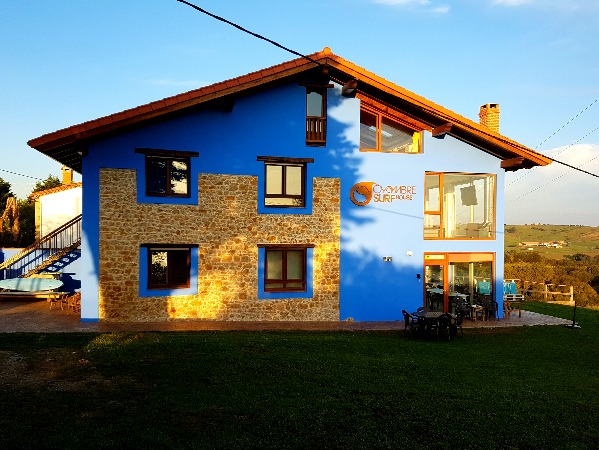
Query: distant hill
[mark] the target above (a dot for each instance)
(576, 239)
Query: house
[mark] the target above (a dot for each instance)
(311, 190)
(57, 237)
(58, 222)
(56, 206)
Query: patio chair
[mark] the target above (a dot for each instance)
(423, 326)
(491, 310)
(457, 323)
(444, 326)
(410, 322)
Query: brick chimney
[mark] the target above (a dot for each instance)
(489, 116)
(67, 175)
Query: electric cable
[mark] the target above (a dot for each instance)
(20, 174)
(556, 178)
(558, 153)
(239, 27)
(569, 121)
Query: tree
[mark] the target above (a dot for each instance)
(27, 211)
(27, 222)
(5, 192)
(48, 183)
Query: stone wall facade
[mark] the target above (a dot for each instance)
(227, 229)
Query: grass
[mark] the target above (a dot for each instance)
(530, 387)
(579, 239)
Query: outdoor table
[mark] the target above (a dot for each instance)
(428, 314)
(431, 316)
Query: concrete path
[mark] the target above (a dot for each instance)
(35, 316)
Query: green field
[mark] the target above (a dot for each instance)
(578, 239)
(522, 387)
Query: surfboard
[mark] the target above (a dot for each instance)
(30, 284)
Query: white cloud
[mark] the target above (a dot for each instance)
(562, 6)
(441, 9)
(511, 2)
(556, 194)
(403, 2)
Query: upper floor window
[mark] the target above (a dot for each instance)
(167, 172)
(380, 132)
(316, 114)
(459, 206)
(285, 181)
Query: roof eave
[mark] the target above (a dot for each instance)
(67, 145)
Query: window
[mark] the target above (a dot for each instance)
(168, 267)
(167, 172)
(285, 268)
(284, 181)
(380, 132)
(459, 205)
(316, 115)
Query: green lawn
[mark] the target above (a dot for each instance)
(532, 387)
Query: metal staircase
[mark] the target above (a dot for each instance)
(45, 252)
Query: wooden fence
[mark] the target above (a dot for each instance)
(546, 291)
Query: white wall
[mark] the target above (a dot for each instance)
(58, 208)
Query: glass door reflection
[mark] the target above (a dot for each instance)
(434, 276)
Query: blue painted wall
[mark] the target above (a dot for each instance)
(68, 266)
(272, 123)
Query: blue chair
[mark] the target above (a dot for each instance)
(484, 287)
(510, 288)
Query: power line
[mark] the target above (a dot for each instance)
(20, 174)
(558, 153)
(556, 178)
(569, 121)
(245, 30)
(239, 27)
(577, 168)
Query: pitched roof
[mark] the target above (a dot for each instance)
(62, 187)
(69, 144)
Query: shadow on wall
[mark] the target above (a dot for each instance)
(68, 267)
(370, 288)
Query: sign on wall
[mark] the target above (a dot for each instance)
(364, 192)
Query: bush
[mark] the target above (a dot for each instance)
(580, 271)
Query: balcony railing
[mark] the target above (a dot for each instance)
(64, 238)
(316, 130)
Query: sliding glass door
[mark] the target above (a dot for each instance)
(458, 280)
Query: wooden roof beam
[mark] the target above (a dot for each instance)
(512, 164)
(441, 130)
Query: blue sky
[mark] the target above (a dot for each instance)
(68, 61)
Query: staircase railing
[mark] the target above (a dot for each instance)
(25, 263)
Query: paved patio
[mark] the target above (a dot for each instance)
(35, 316)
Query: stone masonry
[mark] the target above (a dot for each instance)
(227, 228)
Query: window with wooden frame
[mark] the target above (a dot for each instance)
(459, 206)
(383, 132)
(316, 115)
(285, 181)
(285, 268)
(167, 172)
(168, 266)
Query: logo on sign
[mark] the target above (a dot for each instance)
(364, 192)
